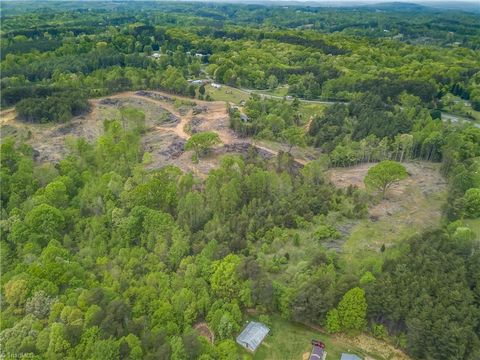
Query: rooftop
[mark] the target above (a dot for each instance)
(252, 336)
(349, 357)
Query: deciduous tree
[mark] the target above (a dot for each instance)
(383, 175)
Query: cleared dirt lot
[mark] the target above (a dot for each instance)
(411, 206)
(169, 120)
(424, 180)
(165, 121)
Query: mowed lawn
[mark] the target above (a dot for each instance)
(226, 93)
(279, 91)
(289, 340)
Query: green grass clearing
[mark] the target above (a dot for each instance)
(311, 110)
(473, 224)
(226, 93)
(279, 91)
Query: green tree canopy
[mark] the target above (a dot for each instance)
(352, 310)
(383, 175)
(293, 136)
(202, 142)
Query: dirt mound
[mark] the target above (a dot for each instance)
(194, 125)
(155, 95)
(110, 102)
(174, 150)
(203, 330)
(199, 109)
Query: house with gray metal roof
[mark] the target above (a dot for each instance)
(346, 356)
(252, 336)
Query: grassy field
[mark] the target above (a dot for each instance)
(279, 91)
(291, 341)
(311, 110)
(413, 206)
(226, 93)
(231, 94)
(474, 224)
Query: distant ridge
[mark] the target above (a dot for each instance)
(397, 6)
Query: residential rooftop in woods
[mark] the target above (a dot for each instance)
(252, 336)
(346, 356)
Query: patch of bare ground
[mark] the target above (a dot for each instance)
(410, 207)
(49, 139)
(424, 181)
(7, 115)
(203, 330)
(169, 120)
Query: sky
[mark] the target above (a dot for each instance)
(451, 3)
(385, 1)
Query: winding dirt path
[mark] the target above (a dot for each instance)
(179, 129)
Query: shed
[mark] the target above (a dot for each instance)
(252, 336)
(346, 356)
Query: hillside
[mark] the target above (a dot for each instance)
(221, 181)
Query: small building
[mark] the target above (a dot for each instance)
(216, 86)
(346, 356)
(196, 82)
(156, 55)
(252, 336)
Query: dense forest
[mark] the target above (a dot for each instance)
(103, 257)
